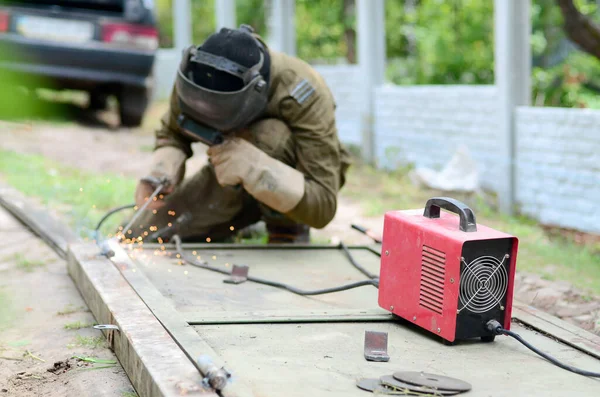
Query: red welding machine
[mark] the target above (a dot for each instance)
(444, 272)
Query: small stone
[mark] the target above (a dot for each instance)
(574, 310)
(546, 297)
(585, 318)
(563, 286)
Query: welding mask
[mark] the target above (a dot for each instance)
(223, 83)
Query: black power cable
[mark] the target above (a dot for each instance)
(107, 215)
(355, 264)
(495, 327)
(177, 240)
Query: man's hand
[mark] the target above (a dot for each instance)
(270, 181)
(145, 189)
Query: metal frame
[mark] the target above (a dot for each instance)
(179, 325)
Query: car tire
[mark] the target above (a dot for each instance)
(133, 102)
(98, 101)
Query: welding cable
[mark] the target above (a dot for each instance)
(107, 215)
(177, 240)
(495, 327)
(356, 264)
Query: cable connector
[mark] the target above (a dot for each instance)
(494, 327)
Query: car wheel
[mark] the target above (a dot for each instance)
(98, 101)
(132, 106)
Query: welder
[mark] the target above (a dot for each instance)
(281, 160)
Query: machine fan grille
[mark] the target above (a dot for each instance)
(483, 284)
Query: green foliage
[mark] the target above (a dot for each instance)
(83, 197)
(434, 42)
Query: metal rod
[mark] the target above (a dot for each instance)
(158, 189)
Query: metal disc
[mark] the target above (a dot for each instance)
(390, 381)
(374, 385)
(433, 381)
(368, 384)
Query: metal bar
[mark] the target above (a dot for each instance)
(207, 246)
(287, 316)
(562, 331)
(57, 235)
(184, 335)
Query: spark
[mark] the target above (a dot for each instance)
(163, 248)
(160, 240)
(155, 253)
(120, 228)
(154, 199)
(214, 257)
(81, 189)
(178, 256)
(231, 228)
(194, 253)
(145, 233)
(129, 231)
(208, 239)
(154, 212)
(135, 208)
(169, 224)
(172, 213)
(198, 257)
(139, 238)
(161, 196)
(186, 272)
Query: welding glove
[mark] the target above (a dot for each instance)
(277, 185)
(167, 163)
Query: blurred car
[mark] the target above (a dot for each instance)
(103, 47)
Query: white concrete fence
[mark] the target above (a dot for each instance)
(557, 168)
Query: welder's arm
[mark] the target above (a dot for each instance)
(318, 158)
(169, 135)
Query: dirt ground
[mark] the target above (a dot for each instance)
(37, 300)
(99, 146)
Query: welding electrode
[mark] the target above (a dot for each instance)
(367, 232)
(160, 185)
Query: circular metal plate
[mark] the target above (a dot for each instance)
(368, 384)
(390, 381)
(374, 385)
(433, 381)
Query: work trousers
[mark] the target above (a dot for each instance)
(219, 212)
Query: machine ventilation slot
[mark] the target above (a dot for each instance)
(433, 268)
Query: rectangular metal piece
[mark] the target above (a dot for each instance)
(239, 274)
(376, 346)
(288, 316)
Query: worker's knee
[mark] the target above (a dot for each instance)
(273, 137)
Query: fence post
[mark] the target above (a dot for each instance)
(371, 60)
(282, 26)
(225, 14)
(512, 70)
(182, 24)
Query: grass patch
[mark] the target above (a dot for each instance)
(92, 342)
(27, 265)
(555, 258)
(70, 309)
(82, 197)
(77, 325)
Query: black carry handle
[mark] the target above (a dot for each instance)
(467, 217)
